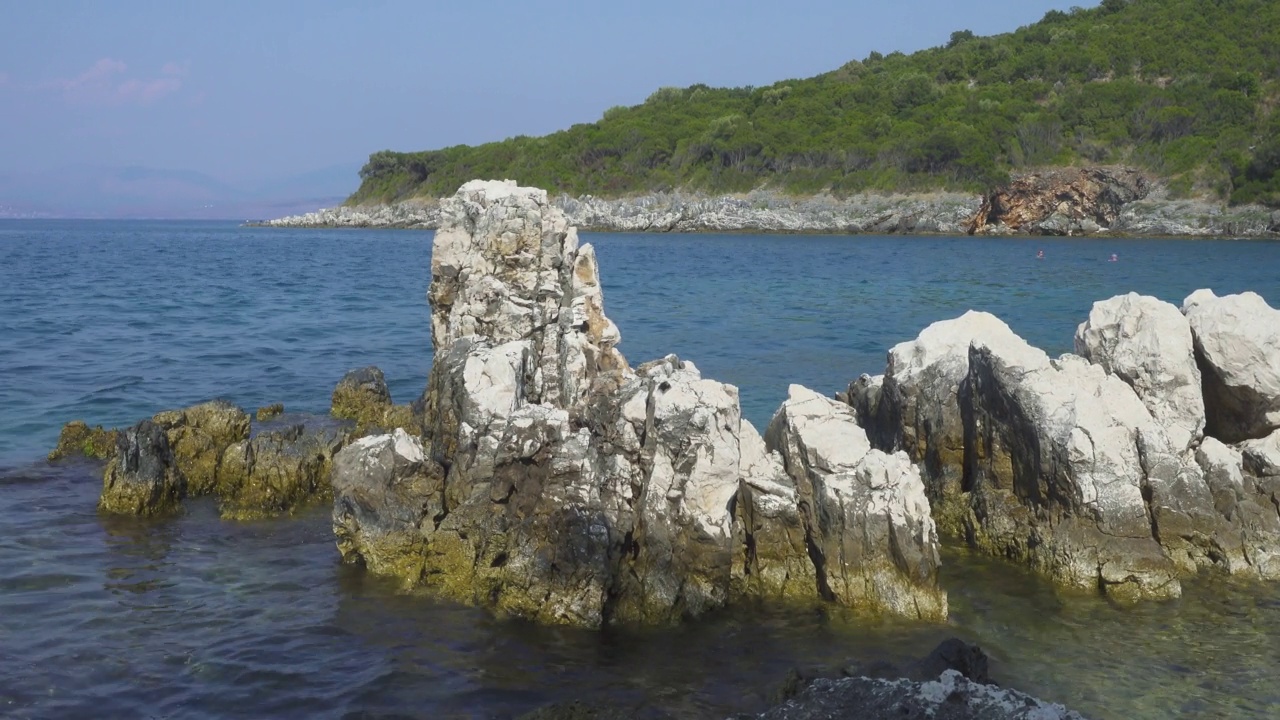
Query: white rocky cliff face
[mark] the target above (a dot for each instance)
(555, 482)
(1237, 345)
(1104, 469)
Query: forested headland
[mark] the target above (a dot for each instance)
(1184, 90)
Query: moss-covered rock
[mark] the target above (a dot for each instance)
(199, 435)
(381, 485)
(278, 472)
(362, 395)
(270, 412)
(77, 438)
(142, 479)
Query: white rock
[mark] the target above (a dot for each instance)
(1237, 340)
(865, 513)
(918, 409)
(1147, 343)
(1060, 440)
(1262, 457)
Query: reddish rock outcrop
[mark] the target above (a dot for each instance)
(1059, 202)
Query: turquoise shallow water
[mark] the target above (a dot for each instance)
(195, 617)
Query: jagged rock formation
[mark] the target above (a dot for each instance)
(854, 503)
(278, 471)
(199, 435)
(207, 449)
(1148, 344)
(1067, 201)
(1056, 472)
(559, 484)
(1095, 469)
(913, 407)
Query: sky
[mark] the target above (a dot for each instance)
(248, 92)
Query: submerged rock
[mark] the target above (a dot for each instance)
(950, 697)
(77, 438)
(1237, 346)
(142, 477)
(559, 484)
(951, 682)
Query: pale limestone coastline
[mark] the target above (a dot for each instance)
(1155, 215)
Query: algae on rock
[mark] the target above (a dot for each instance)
(142, 479)
(77, 438)
(199, 435)
(207, 450)
(557, 483)
(362, 395)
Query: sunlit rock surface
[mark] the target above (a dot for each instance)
(558, 483)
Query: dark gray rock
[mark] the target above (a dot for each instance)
(142, 478)
(950, 697)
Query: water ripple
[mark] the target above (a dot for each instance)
(192, 617)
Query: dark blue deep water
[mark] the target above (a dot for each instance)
(110, 322)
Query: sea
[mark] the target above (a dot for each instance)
(195, 617)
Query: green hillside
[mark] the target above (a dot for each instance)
(1185, 89)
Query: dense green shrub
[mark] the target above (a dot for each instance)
(1183, 88)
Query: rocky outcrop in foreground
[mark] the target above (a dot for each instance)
(556, 482)
(1111, 468)
(211, 449)
(273, 467)
(950, 697)
(951, 682)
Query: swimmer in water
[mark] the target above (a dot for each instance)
(1114, 258)
(1040, 255)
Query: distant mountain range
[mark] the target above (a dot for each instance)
(86, 191)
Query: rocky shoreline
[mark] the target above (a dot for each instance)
(542, 476)
(1076, 202)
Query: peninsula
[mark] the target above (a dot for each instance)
(1134, 117)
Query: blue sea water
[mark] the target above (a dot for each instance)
(110, 322)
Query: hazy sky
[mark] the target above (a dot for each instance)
(251, 90)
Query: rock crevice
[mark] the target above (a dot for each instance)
(556, 482)
(1106, 469)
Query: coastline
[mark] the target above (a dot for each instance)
(1155, 215)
